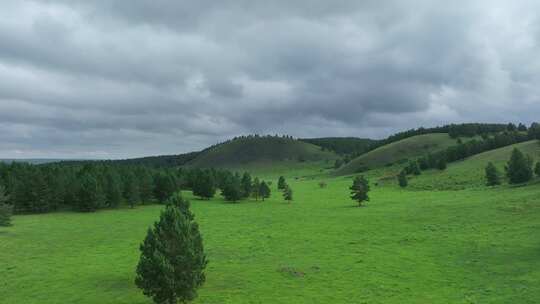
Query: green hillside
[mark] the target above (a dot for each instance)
(342, 145)
(470, 172)
(260, 151)
(397, 152)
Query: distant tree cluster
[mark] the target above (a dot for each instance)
(462, 150)
(341, 145)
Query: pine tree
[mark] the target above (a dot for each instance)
(146, 185)
(281, 183)
(492, 175)
(359, 190)
(132, 191)
(172, 263)
(256, 188)
(5, 210)
(164, 187)
(402, 179)
(113, 189)
(204, 185)
(537, 169)
(232, 191)
(246, 185)
(519, 168)
(89, 196)
(288, 194)
(264, 190)
(442, 163)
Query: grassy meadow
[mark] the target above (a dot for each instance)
(477, 245)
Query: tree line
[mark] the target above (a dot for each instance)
(439, 160)
(90, 186)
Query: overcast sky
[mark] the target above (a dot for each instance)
(115, 79)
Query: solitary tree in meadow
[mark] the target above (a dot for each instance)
(281, 183)
(264, 190)
(359, 190)
(5, 209)
(172, 262)
(519, 167)
(492, 175)
(288, 194)
(322, 184)
(402, 179)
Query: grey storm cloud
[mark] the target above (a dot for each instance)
(114, 79)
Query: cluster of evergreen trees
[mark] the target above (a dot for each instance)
(463, 150)
(83, 187)
(233, 186)
(519, 169)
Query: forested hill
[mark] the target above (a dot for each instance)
(341, 145)
(255, 149)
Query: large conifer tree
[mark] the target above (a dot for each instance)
(359, 190)
(172, 262)
(519, 167)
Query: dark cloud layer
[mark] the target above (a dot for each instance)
(113, 79)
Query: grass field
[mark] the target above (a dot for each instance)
(406, 246)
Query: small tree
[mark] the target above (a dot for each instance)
(288, 194)
(204, 185)
(492, 175)
(256, 188)
(359, 190)
(519, 168)
(172, 262)
(232, 190)
(246, 184)
(281, 183)
(264, 190)
(537, 169)
(402, 179)
(164, 187)
(322, 184)
(442, 163)
(5, 210)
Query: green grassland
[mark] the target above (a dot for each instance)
(478, 245)
(400, 151)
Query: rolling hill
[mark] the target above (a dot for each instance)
(260, 151)
(470, 173)
(397, 152)
(342, 145)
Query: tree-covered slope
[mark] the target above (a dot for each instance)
(397, 152)
(341, 145)
(470, 172)
(250, 150)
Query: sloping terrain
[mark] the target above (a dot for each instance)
(470, 172)
(266, 151)
(398, 152)
(341, 145)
